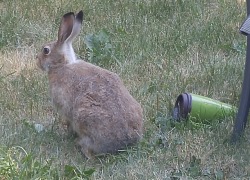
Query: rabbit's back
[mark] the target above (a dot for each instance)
(97, 105)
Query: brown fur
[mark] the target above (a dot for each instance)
(94, 101)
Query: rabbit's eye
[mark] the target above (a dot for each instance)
(46, 50)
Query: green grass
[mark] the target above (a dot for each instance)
(160, 48)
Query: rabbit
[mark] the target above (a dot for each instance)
(94, 101)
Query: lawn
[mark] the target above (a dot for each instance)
(160, 48)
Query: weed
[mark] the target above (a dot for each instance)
(100, 50)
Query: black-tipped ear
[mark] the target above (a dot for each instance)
(79, 16)
(66, 26)
(68, 14)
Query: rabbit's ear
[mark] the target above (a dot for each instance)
(79, 17)
(66, 27)
(76, 27)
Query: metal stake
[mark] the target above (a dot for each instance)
(241, 118)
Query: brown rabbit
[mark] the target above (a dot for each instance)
(94, 101)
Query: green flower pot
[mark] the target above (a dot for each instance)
(200, 109)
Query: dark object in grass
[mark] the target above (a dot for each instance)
(182, 107)
(241, 118)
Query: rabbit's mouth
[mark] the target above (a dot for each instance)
(43, 66)
(38, 62)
